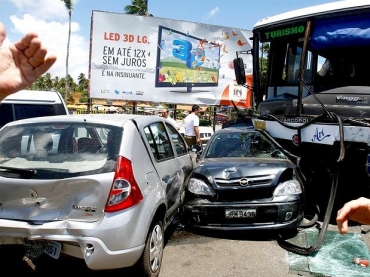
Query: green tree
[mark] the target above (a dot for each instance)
(48, 82)
(56, 81)
(69, 6)
(263, 63)
(61, 86)
(138, 7)
(38, 84)
(82, 83)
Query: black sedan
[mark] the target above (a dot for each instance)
(243, 181)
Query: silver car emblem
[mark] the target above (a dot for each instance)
(243, 182)
(33, 194)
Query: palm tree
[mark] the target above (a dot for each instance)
(69, 6)
(83, 83)
(56, 81)
(38, 84)
(138, 7)
(48, 82)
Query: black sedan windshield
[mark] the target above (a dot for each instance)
(242, 144)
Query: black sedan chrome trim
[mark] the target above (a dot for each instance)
(252, 181)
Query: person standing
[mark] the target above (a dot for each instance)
(165, 114)
(191, 122)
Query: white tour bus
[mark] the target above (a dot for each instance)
(311, 88)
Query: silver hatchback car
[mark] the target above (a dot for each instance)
(102, 188)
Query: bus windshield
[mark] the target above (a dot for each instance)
(324, 53)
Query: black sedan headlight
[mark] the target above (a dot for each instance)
(199, 187)
(288, 188)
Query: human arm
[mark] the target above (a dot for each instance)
(22, 63)
(196, 129)
(356, 210)
(197, 135)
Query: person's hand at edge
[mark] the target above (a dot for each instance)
(356, 210)
(21, 63)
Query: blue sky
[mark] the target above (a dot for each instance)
(49, 18)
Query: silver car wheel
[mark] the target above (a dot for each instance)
(156, 247)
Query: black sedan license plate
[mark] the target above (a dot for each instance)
(240, 213)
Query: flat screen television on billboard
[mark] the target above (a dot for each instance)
(186, 61)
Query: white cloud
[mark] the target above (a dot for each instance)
(211, 13)
(53, 31)
(43, 9)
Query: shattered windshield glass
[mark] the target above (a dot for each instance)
(242, 144)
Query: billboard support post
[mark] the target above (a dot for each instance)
(134, 105)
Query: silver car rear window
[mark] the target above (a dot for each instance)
(58, 150)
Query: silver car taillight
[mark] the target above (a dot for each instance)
(125, 192)
(122, 188)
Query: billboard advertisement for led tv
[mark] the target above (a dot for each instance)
(139, 58)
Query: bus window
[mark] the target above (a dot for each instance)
(285, 63)
(293, 62)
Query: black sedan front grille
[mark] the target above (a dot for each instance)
(244, 194)
(237, 189)
(252, 181)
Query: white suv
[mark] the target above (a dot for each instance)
(205, 133)
(31, 103)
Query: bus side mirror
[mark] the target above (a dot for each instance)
(239, 71)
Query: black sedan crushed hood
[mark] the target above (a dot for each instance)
(239, 167)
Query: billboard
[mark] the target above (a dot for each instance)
(139, 58)
(194, 61)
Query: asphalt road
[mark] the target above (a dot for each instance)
(224, 255)
(186, 254)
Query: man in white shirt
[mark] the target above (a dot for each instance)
(191, 122)
(165, 114)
